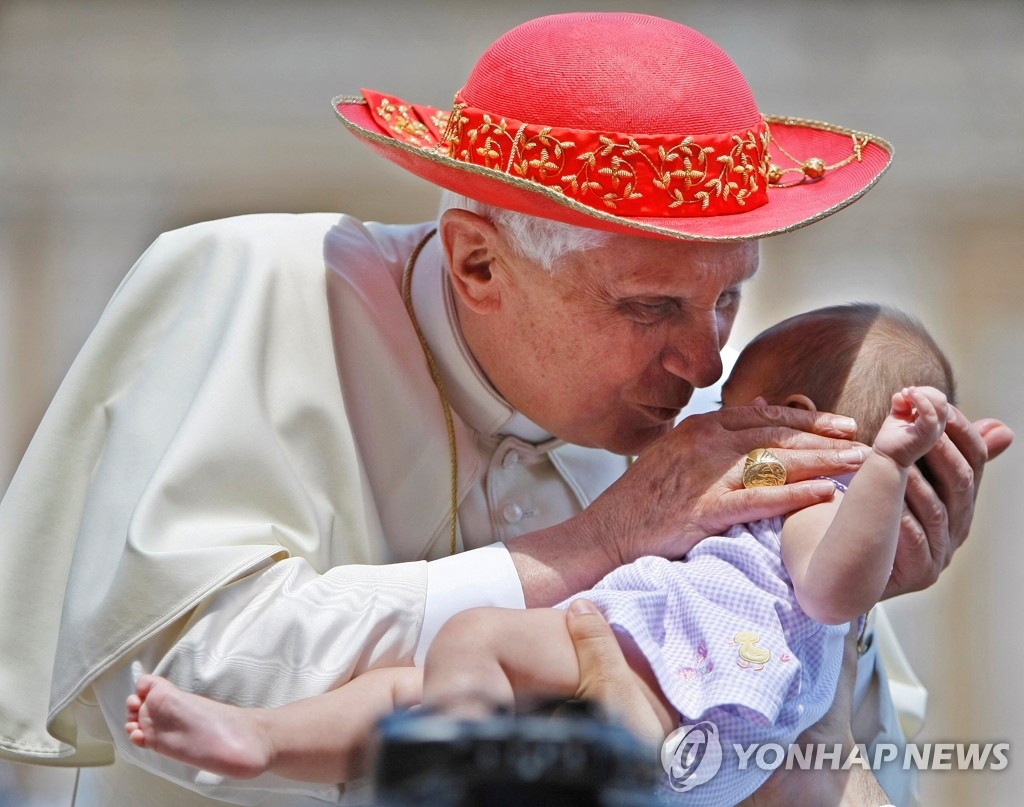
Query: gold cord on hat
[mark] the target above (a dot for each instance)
(435, 374)
(813, 168)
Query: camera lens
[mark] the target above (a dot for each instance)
(572, 758)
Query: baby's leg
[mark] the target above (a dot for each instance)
(326, 738)
(489, 657)
(494, 657)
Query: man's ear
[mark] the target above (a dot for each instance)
(470, 243)
(799, 401)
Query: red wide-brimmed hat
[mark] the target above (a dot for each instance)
(627, 123)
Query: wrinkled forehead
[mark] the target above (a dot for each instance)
(676, 267)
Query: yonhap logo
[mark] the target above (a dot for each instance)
(691, 755)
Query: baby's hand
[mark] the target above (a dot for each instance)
(915, 424)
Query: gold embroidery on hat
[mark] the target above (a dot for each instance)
(403, 124)
(696, 164)
(452, 132)
(548, 159)
(690, 172)
(440, 119)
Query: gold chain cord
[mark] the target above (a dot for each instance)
(813, 168)
(435, 374)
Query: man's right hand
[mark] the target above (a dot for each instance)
(688, 485)
(683, 488)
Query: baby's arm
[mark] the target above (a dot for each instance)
(326, 738)
(839, 554)
(490, 657)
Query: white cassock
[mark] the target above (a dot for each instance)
(243, 484)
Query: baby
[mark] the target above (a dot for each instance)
(747, 631)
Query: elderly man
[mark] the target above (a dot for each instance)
(259, 480)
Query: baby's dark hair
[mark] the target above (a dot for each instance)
(850, 359)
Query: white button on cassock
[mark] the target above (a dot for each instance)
(512, 513)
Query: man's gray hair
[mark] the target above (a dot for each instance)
(541, 241)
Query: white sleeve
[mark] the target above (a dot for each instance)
(484, 576)
(269, 639)
(290, 633)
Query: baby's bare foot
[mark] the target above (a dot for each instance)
(216, 737)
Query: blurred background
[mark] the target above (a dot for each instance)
(120, 119)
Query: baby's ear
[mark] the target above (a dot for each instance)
(799, 401)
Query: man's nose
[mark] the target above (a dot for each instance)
(695, 354)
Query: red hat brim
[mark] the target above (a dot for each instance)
(788, 208)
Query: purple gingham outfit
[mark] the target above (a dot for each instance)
(728, 643)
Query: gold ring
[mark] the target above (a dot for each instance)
(763, 469)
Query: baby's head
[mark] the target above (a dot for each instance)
(846, 359)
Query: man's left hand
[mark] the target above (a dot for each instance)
(940, 507)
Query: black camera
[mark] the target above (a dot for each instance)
(569, 756)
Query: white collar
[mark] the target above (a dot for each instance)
(471, 395)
